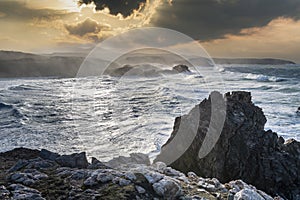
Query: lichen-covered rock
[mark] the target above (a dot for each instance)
(242, 149)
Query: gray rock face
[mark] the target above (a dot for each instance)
(45, 154)
(244, 149)
(76, 160)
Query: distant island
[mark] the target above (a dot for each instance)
(253, 61)
(19, 64)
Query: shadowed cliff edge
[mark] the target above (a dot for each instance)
(244, 149)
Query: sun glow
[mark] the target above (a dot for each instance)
(69, 5)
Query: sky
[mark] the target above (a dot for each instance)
(225, 28)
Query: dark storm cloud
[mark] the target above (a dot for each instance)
(85, 27)
(125, 7)
(14, 10)
(212, 19)
(88, 29)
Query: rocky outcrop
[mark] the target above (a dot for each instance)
(181, 69)
(37, 178)
(242, 149)
(145, 70)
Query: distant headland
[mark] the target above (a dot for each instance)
(20, 64)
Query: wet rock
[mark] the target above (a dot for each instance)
(247, 194)
(160, 166)
(236, 148)
(79, 174)
(133, 159)
(124, 182)
(28, 177)
(153, 177)
(140, 189)
(167, 188)
(181, 69)
(19, 165)
(96, 164)
(171, 172)
(21, 192)
(130, 175)
(104, 177)
(39, 163)
(90, 182)
(48, 155)
(75, 160)
(4, 193)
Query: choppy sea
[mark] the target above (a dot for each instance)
(108, 117)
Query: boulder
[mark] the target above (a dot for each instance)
(241, 150)
(167, 188)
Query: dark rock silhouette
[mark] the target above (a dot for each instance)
(146, 70)
(181, 69)
(244, 149)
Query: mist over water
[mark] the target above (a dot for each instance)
(108, 116)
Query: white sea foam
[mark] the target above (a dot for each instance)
(108, 117)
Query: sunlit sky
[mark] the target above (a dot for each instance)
(225, 28)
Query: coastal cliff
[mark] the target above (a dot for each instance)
(19, 64)
(244, 150)
(246, 162)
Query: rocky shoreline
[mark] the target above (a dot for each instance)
(244, 154)
(36, 175)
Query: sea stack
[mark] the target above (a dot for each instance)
(244, 149)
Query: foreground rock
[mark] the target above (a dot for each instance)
(243, 150)
(42, 175)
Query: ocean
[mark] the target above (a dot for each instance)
(108, 117)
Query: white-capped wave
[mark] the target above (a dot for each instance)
(263, 78)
